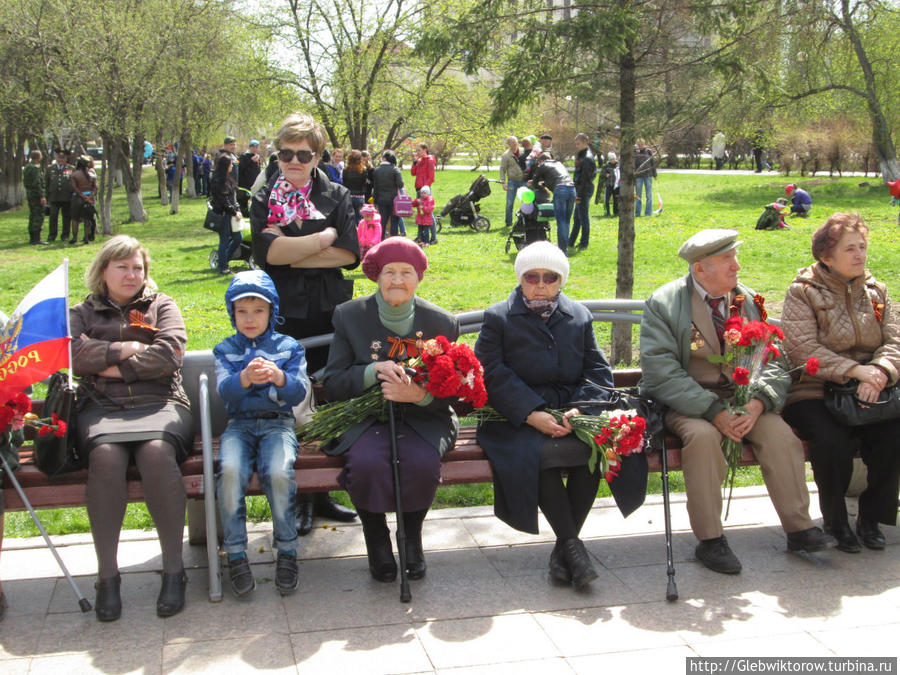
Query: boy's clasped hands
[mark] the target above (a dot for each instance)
(262, 371)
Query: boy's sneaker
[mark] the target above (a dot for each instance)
(287, 578)
(240, 576)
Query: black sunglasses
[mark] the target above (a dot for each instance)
(534, 278)
(303, 156)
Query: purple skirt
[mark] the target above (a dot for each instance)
(368, 475)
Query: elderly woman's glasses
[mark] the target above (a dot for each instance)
(534, 278)
(303, 156)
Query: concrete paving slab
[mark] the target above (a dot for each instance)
(601, 630)
(137, 660)
(486, 605)
(361, 651)
(663, 661)
(557, 666)
(271, 653)
(795, 644)
(485, 641)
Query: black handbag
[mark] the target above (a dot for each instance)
(52, 454)
(842, 402)
(214, 221)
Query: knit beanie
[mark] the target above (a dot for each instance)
(542, 255)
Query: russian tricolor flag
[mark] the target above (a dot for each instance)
(35, 341)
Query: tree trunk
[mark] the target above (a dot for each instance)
(176, 183)
(104, 193)
(161, 171)
(12, 160)
(621, 332)
(132, 178)
(190, 189)
(881, 133)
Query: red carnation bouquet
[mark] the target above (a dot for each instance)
(749, 345)
(446, 370)
(15, 415)
(610, 435)
(451, 369)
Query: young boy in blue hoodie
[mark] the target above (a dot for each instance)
(261, 377)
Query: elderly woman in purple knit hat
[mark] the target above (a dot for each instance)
(372, 335)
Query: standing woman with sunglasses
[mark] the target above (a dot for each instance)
(304, 234)
(539, 351)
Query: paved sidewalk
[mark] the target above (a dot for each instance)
(486, 606)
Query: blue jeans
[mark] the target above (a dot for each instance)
(582, 220)
(270, 445)
(563, 204)
(511, 188)
(357, 201)
(644, 183)
(228, 243)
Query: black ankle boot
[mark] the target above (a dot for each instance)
(579, 561)
(415, 555)
(382, 565)
(108, 602)
(171, 595)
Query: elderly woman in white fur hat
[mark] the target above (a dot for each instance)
(539, 351)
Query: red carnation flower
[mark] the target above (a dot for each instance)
(44, 430)
(741, 376)
(812, 365)
(61, 428)
(6, 417)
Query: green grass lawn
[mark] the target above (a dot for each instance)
(470, 270)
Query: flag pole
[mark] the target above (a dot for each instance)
(68, 325)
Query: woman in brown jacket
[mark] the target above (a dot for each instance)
(84, 192)
(837, 312)
(128, 345)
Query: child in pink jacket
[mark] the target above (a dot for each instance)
(424, 205)
(368, 231)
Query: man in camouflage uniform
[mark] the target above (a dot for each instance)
(34, 194)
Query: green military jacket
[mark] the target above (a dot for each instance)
(666, 352)
(33, 180)
(58, 187)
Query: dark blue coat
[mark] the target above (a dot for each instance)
(527, 365)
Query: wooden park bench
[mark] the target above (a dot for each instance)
(314, 471)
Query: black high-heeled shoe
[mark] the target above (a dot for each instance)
(171, 596)
(108, 601)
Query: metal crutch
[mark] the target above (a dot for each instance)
(83, 602)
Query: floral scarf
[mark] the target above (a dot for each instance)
(543, 308)
(287, 204)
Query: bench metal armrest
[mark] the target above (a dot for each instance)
(209, 492)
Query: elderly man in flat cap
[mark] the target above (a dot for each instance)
(682, 325)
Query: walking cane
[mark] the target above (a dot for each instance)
(671, 589)
(405, 595)
(83, 602)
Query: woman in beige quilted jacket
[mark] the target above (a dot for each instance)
(835, 311)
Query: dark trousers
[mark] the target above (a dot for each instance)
(55, 209)
(35, 219)
(612, 193)
(832, 446)
(581, 220)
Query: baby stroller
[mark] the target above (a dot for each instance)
(464, 209)
(532, 221)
